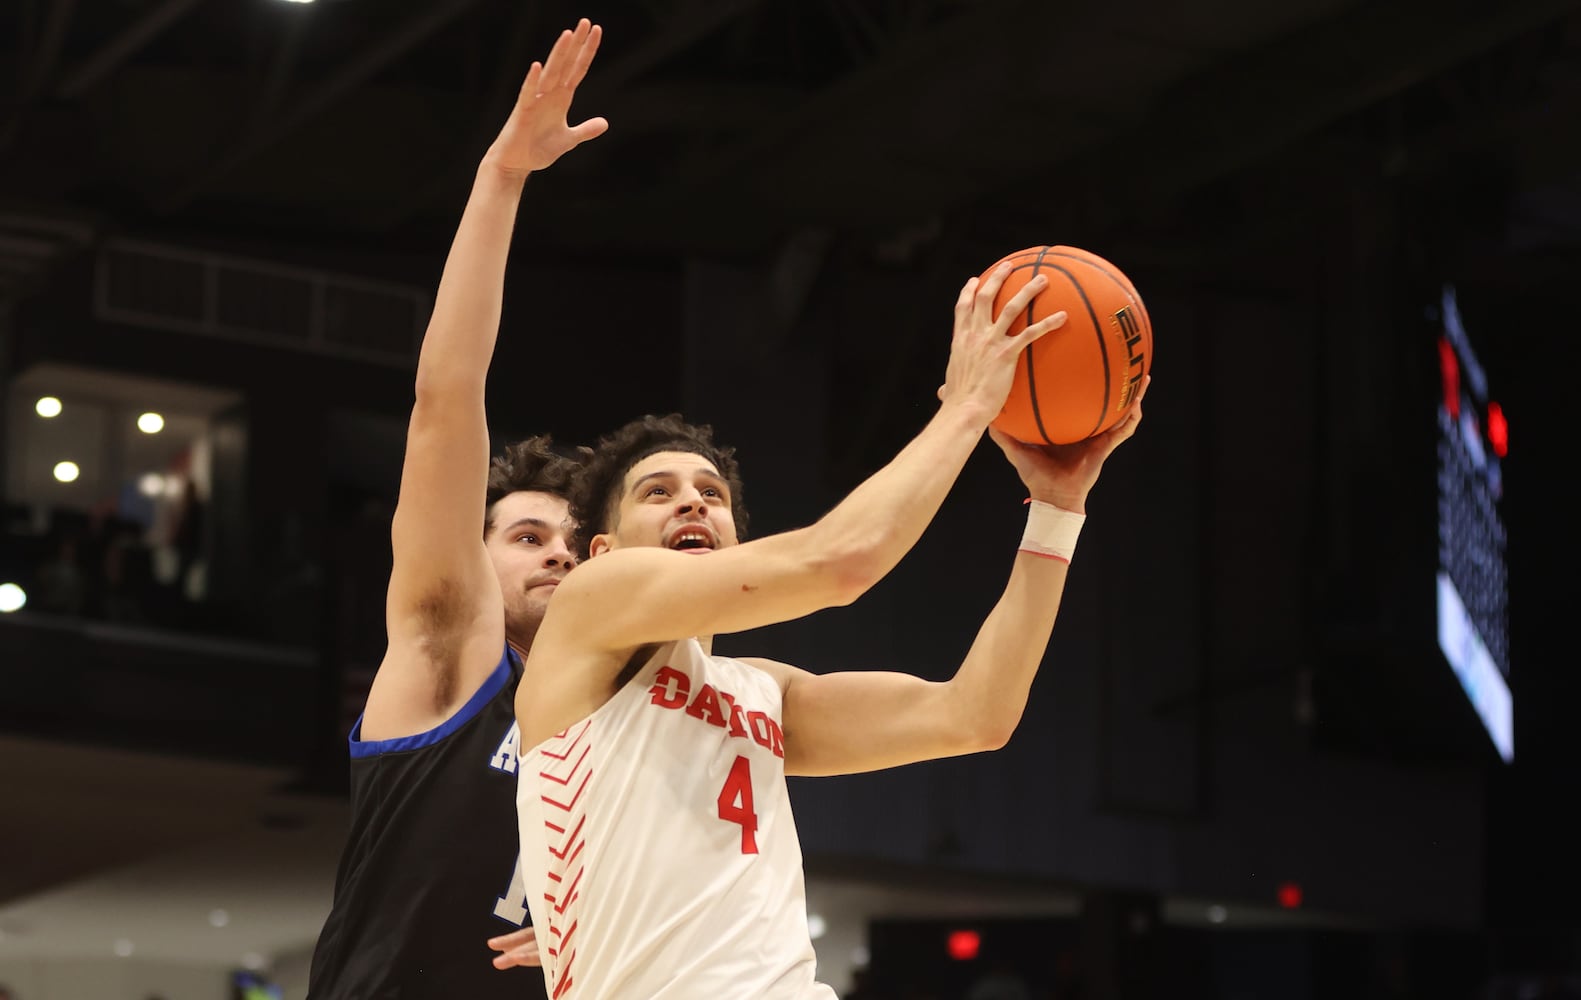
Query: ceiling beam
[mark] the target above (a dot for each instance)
(358, 70)
(36, 73)
(122, 47)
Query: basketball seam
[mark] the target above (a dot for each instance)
(1129, 289)
(1118, 279)
(1032, 381)
(1103, 353)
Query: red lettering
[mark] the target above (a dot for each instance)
(706, 707)
(670, 688)
(737, 727)
(779, 739)
(761, 734)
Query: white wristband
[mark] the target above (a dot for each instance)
(1051, 532)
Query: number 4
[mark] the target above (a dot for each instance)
(735, 804)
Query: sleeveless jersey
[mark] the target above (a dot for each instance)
(430, 872)
(661, 858)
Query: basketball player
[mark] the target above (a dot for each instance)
(652, 806)
(430, 874)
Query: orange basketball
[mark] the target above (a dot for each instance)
(1081, 379)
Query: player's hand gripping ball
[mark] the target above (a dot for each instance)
(1082, 378)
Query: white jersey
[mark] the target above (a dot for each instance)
(660, 830)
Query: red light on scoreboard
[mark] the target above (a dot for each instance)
(1498, 430)
(1449, 371)
(963, 945)
(1290, 895)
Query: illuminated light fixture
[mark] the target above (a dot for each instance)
(47, 407)
(963, 945)
(1498, 430)
(297, 1)
(816, 926)
(150, 423)
(67, 472)
(1290, 895)
(123, 948)
(219, 918)
(252, 961)
(1217, 914)
(12, 598)
(151, 484)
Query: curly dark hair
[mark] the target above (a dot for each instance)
(533, 464)
(595, 492)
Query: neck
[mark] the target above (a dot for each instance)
(521, 639)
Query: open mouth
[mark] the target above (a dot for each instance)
(692, 539)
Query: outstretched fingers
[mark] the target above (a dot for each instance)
(534, 81)
(554, 67)
(584, 55)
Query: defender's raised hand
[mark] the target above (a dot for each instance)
(1062, 474)
(538, 131)
(982, 358)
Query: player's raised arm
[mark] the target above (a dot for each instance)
(851, 721)
(651, 592)
(444, 610)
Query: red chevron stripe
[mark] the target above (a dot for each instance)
(574, 835)
(562, 756)
(566, 806)
(565, 982)
(567, 779)
(570, 894)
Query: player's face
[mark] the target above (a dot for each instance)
(530, 546)
(674, 500)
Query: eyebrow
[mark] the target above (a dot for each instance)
(530, 522)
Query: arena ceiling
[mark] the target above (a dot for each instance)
(737, 124)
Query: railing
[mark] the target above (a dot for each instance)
(237, 298)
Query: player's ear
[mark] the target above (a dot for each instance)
(600, 543)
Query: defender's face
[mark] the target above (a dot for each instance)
(530, 546)
(673, 500)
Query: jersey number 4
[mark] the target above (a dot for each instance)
(735, 804)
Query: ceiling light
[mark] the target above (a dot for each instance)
(123, 948)
(252, 961)
(151, 484)
(1217, 914)
(219, 918)
(67, 472)
(150, 423)
(816, 926)
(12, 598)
(47, 406)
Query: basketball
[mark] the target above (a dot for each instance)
(1082, 378)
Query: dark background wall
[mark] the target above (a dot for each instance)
(1243, 688)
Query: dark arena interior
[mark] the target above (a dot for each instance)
(1304, 728)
